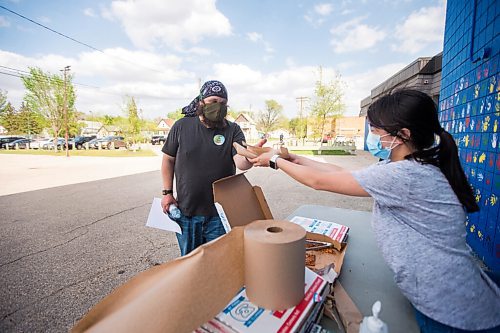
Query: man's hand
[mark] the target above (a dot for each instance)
(244, 163)
(166, 201)
(261, 142)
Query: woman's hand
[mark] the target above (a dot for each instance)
(263, 159)
(293, 158)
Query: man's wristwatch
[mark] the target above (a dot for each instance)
(166, 192)
(272, 162)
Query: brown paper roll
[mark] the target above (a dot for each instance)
(274, 263)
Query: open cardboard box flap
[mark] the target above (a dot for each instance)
(244, 203)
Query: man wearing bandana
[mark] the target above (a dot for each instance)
(198, 151)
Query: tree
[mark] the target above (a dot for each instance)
(133, 127)
(151, 125)
(29, 121)
(108, 120)
(3, 100)
(283, 122)
(22, 121)
(9, 119)
(269, 119)
(328, 103)
(45, 95)
(298, 127)
(176, 115)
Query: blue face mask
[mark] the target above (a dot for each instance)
(374, 144)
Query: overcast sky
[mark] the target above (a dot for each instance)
(158, 50)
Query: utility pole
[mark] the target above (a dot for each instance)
(302, 99)
(29, 125)
(65, 70)
(91, 123)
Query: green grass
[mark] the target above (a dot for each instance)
(92, 152)
(322, 152)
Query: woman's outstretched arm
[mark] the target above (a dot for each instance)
(332, 179)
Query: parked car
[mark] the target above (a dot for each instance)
(9, 139)
(19, 143)
(93, 143)
(158, 139)
(109, 142)
(38, 144)
(50, 145)
(79, 141)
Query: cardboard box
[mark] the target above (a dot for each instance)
(181, 295)
(334, 231)
(239, 203)
(243, 316)
(328, 262)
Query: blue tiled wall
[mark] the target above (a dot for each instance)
(470, 110)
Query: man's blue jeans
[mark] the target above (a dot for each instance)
(428, 325)
(197, 230)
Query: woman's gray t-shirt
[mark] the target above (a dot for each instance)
(419, 225)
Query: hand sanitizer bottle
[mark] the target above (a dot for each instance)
(174, 211)
(373, 324)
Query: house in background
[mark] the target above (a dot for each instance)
(164, 126)
(107, 130)
(247, 125)
(90, 127)
(2, 130)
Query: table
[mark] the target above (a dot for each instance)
(365, 275)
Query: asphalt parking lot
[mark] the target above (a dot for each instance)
(73, 229)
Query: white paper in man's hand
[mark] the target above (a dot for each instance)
(158, 219)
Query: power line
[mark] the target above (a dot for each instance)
(75, 40)
(18, 75)
(10, 74)
(14, 69)
(54, 31)
(79, 84)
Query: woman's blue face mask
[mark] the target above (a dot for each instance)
(374, 144)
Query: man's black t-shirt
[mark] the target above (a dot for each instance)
(202, 156)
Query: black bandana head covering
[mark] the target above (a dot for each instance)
(209, 88)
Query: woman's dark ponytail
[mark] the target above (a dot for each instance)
(452, 169)
(416, 111)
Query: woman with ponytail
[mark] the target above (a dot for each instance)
(421, 197)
